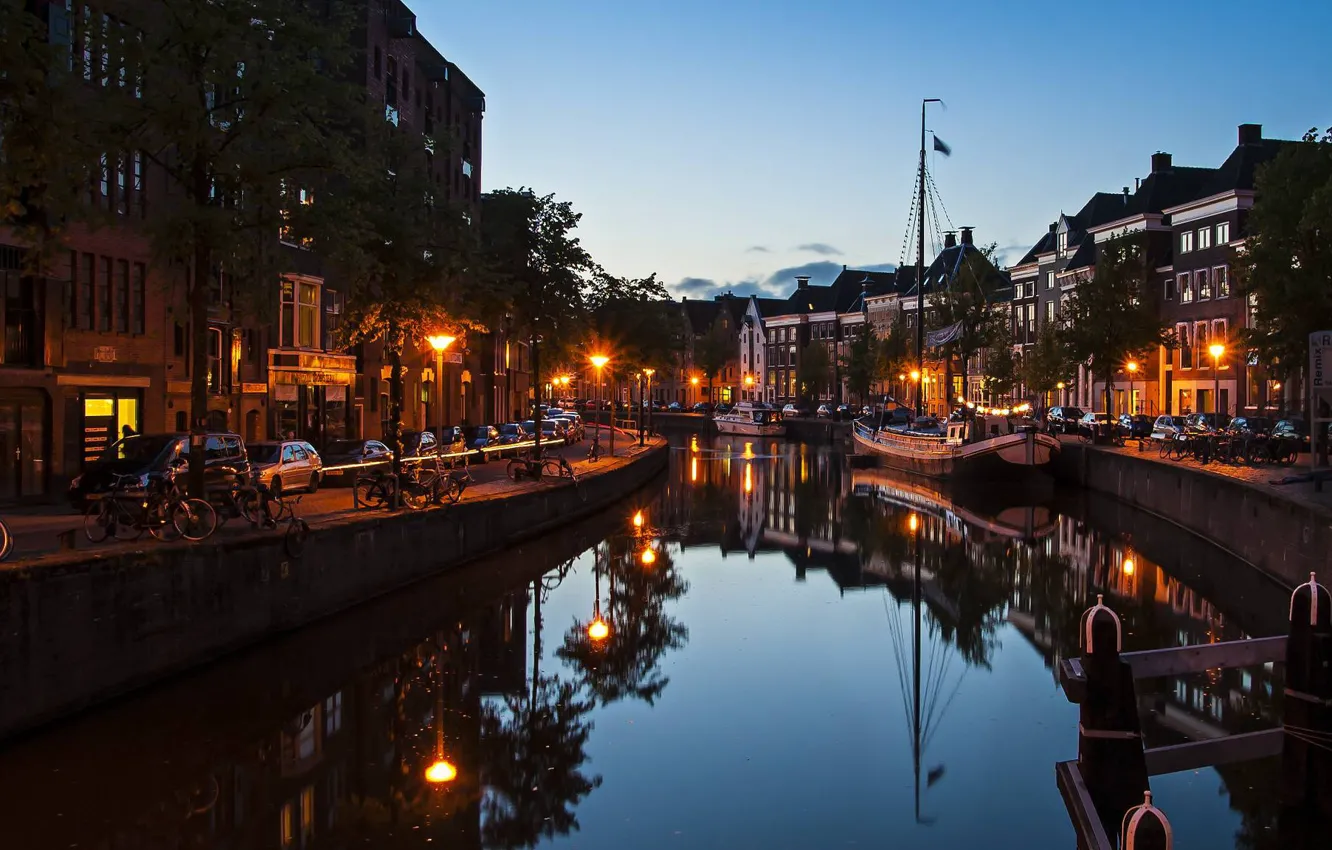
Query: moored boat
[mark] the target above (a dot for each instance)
(957, 453)
(753, 418)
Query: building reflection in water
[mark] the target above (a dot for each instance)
(496, 705)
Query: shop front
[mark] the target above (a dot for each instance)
(98, 410)
(24, 449)
(310, 396)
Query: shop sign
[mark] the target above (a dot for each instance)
(254, 389)
(105, 354)
(1320, 360)
(284, 392)
(313, 378)
(454, 357)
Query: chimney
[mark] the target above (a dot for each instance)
(1126, 194)
(802, 281)
(843, 266)
(1137, 183)
(966, 236)
(1250, 134)
(950, 240)
(1053, 226)
(1160, 162)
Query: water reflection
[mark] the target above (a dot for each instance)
(613, 684)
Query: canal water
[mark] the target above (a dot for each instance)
(768, 650)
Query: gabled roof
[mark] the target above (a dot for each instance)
(702, 315)
(769, 307)
(1174, 185)
(843, 295)
(1045, 246)
(945, 266)
(1240, 168)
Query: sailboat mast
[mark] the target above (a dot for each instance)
(915, 667)
(920, 271)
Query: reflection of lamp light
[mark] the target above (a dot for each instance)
(1128, 566)
(598, 630)
(693, 468)
(649, 556)
(749, 450)
(441, 771)
(749, 479)
(913, 522)
(638, 519)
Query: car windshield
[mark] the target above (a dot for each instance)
(142, 448)
(263, 452)
(1072, 412)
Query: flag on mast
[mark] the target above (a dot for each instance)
(941, 147)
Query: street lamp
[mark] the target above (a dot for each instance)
(916, 385)
(440, 342)
(1132, 367)
(598, 362)
(649, 372)
(693, 382)
(1216, 349)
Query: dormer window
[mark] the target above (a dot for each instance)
(1063, 243)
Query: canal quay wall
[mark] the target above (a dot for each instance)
(1284, 538)
(77, 630)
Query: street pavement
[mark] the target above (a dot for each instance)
(37, 530)
(1257, 475)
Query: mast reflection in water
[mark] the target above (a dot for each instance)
(656, 678)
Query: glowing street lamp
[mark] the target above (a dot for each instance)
(1129, 566)
(1132, 367)
(649, 372)
(648, 556)
(441, 771)
(440, 342)
(1216, 349)
(598, 362)
(598, 630)
(638, 519)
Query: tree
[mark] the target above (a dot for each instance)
(999, 370)
(815, 369)
(897, 351)
(1286, 266)
(862, 364)
(966, 304)
(712, 351)
(635, 318)
(1048, 363)
(531, 256)
(235, 106)
(405, 259)
(1108, 319)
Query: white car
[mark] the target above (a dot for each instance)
(1167, 427)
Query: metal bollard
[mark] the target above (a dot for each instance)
(1306, 761)
(1110, 751)
(1145, 827)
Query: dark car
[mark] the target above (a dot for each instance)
(701, 407)
(1250, 426)
(1136, 425)
(453, 441)
(1063, 419)
(151, 456)
(419, 444)
(1092, 423)
(552, 430)
(345, 459)
(1206, 421)
(675, 407)
(511, 433)
(482, 437)
(1293, 428)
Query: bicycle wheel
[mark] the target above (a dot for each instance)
(373, 493)
(6, 541)
(454, 490)
(195, 519)
(1165, 448)
(416, 495)
(96, 522)
(516, 469)
(122, 522)
(298, 531)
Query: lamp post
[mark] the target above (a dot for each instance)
(649, 372)
(1216, 349)
(598, 362)
(1132, 367)
(916, 387)
(598, 630)
(693, 382)
(749, 387)
(440, 342)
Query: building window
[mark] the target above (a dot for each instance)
(1049, 312)
(214, 360)
(1063, 243)
(1186, 288)
(1221, 280)
(1219, 335)
(332, 318)
(84, 302)
(1204, 238)
(1186, 242)
(137, 166)
(1170, 289)
(137, 306)
(1200, 343)
(1223, 233)
(122, 199)
(1204, 284)
(104, 184)
(122, 296)
(104, 295)
(299, 320)
(1184, 339)
(1049, 281)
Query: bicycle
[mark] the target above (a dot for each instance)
(298, 530)
(457, 483)
(161, 509)
(422, 486)
(594, 452)
(376, 490)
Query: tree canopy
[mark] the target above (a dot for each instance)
(1048, 362)
(1286, 265)
(815, 370)
(712, 351)
(999, 368)
(967, 301)
(863, 363)
(1108, 319)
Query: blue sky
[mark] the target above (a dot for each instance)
(736, 143)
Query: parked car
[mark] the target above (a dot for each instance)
(286, 466)
(149, 456)
(453, 441)
(675, 407)
(511, 433)
(1091, 423)
(1136, 425)
(346, 459)
(1292, 429)
(722, 408)
(793, 410)
(823, 412)
(552, 430)
(573, 422)
(1063, 419)
(482, 437)
(1206, 421)
(1167, 427)
(842, 413)
(701, 407)
(418, 444)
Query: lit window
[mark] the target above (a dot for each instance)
(1221, 280)
(1204, 283)
(1204, 238)
(1223, 233)
(1186, 288)
(1186, 242)
(1063, 244)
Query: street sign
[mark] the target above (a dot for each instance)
(1320, 360)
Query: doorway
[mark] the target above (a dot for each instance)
(23, 449)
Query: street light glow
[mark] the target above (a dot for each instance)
(441, 771)
(649, 372)
(440, 342)
(638, 519)
(649, 556)
(694, 380)
(1060, 385)
(1216, 349)
(599, 360)
(749, 380)
(913, 523)
(1129, 566)
(1132, 366)
(915, 375)
(598, 630)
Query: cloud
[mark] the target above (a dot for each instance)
(703, 289)
(1008, 254)
(778, 284)
(758, 249)
(822, 248)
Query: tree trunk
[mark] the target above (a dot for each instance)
(198, 301)
(536, 386)
(1109, 388)
(394, 436)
